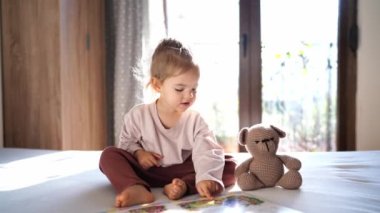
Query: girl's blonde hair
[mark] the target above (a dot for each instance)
(171, 58)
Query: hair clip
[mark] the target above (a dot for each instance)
(176, 48)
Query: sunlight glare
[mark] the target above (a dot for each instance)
(36, 170)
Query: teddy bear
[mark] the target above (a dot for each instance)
(265, 168)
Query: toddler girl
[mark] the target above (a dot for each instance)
(164, 143)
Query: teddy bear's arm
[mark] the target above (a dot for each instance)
(290, 162)
(243, 167)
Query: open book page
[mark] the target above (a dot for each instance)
(231, 202)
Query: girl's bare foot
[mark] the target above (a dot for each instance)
(176, 189)
(134, 195)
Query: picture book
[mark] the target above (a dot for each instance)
(231, 202)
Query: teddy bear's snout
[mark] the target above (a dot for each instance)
(266, 144)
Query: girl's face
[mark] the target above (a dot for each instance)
(178, 93)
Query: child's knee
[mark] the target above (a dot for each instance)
(230, 164)
(229, 172)
(107, 154)
(108, 151)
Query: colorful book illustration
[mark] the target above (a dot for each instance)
(149, 209)
(231, 202)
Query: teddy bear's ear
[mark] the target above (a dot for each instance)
(280, 133)
(243, 136)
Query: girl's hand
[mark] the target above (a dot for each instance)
(147, 159)
(208, 188)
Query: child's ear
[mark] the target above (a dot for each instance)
(156, 84)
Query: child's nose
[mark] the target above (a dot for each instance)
(191, 94)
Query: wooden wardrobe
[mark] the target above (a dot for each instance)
(53, 74)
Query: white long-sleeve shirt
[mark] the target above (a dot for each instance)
(142, 128)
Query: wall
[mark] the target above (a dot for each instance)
(368, 87)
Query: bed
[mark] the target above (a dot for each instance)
(33, 180)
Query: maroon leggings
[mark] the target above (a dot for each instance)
(123, 171)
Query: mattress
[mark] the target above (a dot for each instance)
(33, 180)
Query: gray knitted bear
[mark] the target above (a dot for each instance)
(265, 168)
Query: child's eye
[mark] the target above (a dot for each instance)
(178, 90)
(194, 91)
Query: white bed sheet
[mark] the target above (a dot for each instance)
(70, 181)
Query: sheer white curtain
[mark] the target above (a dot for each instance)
(133, 28)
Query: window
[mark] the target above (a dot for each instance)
(251, 73)
(299, 71)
